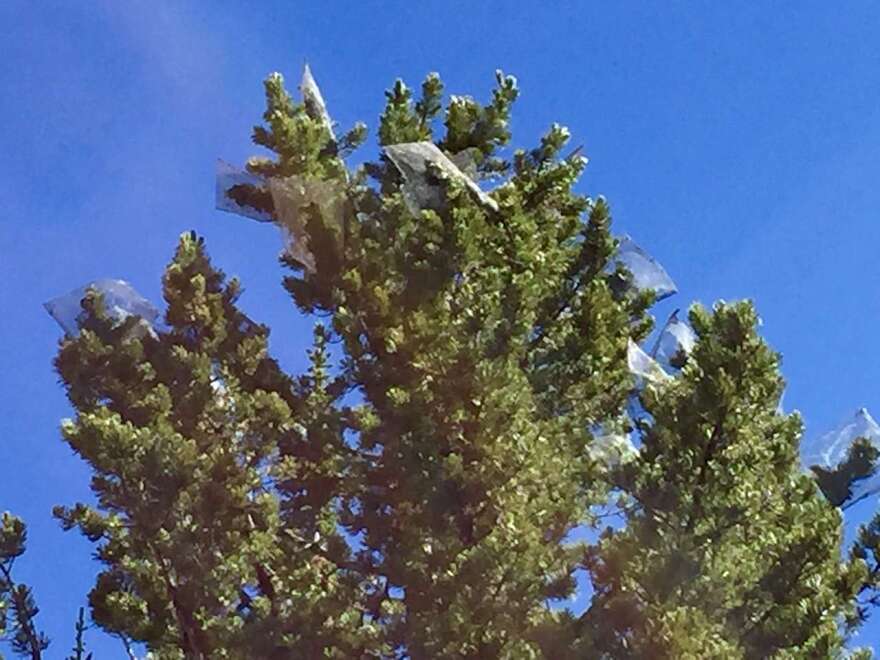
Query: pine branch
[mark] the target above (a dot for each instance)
(25, 640)
(79, 646)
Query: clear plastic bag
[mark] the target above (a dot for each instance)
(314, 101)
(675, 343)
(422, 190)
(830, 450)
(647, 273)
(645, 369)
(612, 448)
(233, 188)
(467, 161)
(292, 196)
(121, 300)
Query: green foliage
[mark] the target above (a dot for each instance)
(17, 606)
(470, 125)
(197, 459)
(867, 549)
(413, 499)
(79, 645)
(301, 140)
(837, 483)
(404, 122)
(730, 551)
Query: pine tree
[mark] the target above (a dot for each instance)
(837, 483)
(17, 606)
(198, 445)
(79, 644)
(414, 499)
(729, 551)
(243, 512)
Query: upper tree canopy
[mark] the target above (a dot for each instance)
(414, 499)
(728, 551)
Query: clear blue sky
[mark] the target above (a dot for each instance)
(740, 145)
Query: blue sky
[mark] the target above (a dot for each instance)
(740, 145)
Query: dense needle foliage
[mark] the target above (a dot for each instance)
(415, 499)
